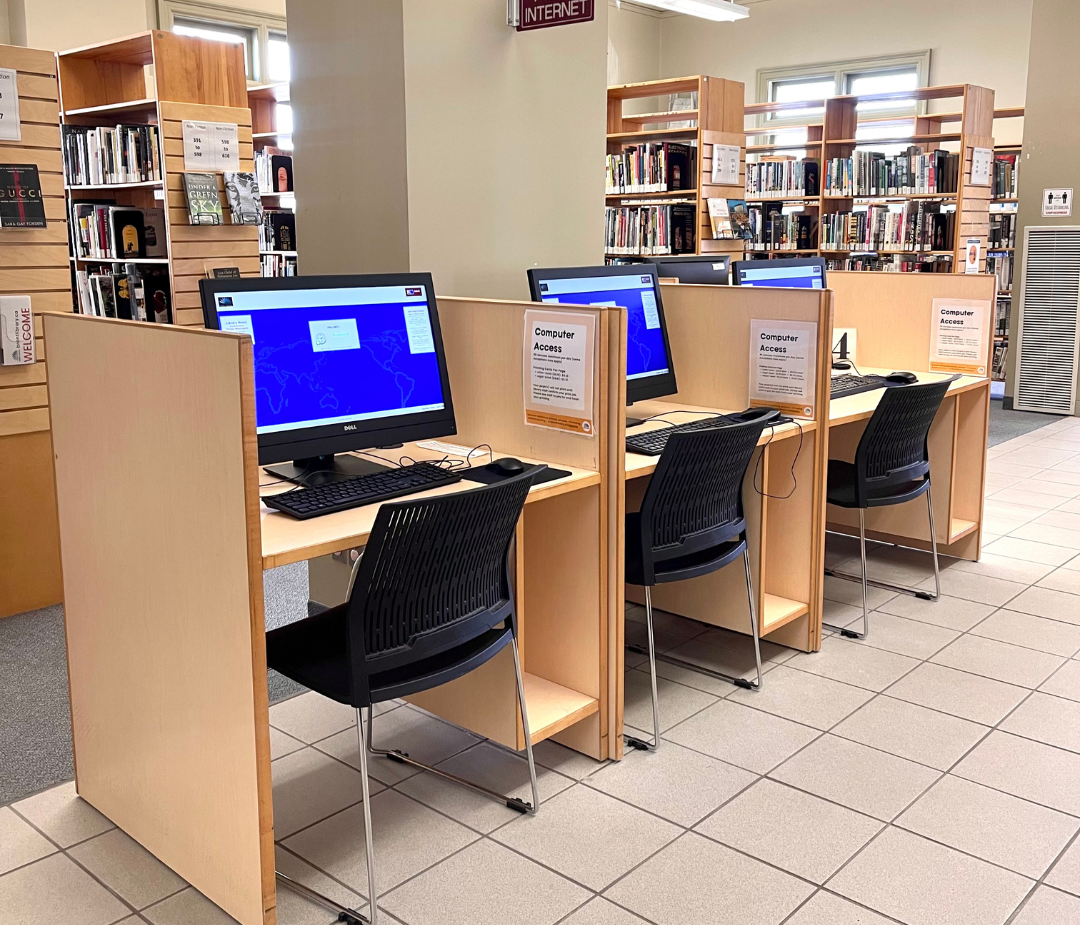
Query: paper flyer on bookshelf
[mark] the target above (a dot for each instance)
(982, 162)
(558, 370)
(211, 146)
(960, 339)
(783, 365)
(725, 165)
(972, 255)
(10, 127)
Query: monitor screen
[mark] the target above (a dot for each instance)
(710, 270)
(344, 357)
(649, 370)
(790, 274)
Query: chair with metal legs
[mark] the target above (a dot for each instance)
(891, 466)
(430, 600)
(690, 524)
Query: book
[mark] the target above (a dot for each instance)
(155, 280)
(21, 205)
(128, 233)
(720, 220)
(281, 173)
(103, 287)
(16, 331)
(157, 244)
(740, 218)
(245, 203)
(204, 205)
(278, 232)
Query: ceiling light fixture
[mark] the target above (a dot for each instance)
(716, 10)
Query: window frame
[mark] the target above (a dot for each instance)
(259, 25)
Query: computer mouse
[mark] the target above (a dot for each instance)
(902, 378)
(508, 465)
(841, 364)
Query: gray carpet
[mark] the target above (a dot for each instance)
(1004, 425)
(35, 716)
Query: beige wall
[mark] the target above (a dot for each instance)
(633, 44)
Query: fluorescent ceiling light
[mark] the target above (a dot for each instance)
(716, 10)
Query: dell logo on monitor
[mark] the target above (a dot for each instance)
(349, 427)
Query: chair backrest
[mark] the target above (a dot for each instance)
(893, 450)
(434, 575)
(694, 499)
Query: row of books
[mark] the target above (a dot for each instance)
(277, 231)
(1006, 176)
(274, 170)
(107, 231)
(1001, 317)
(278, 265)
(1001, 265)
(915, 226)
(997, 363)
(651, 167)
(780, 177)
(99, 155)
(1002, 230)
(130, 291)
(773, 230)
(650, 230)
(871, 173)
(893, 263)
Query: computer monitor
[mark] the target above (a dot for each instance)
(791, 273)
(711, 269)
(341, 363)
(650, 372)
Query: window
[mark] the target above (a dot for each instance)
(262, 35)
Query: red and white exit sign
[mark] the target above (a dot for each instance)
(543, 14)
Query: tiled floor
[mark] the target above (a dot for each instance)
(927, 776)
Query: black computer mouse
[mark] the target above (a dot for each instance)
(841, 364)
(508, 465)
(902, 378)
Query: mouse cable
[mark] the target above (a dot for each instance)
(761, 455)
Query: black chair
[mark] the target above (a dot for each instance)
(892, 465)
(690, 524)
(430, 601)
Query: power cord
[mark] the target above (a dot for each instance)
(761, 455)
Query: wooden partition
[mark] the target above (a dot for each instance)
(33, 262)
(163, 596)
(709, 332)
(893, 314)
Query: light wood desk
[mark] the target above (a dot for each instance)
(164, 542)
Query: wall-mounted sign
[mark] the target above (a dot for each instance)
(10, 129)
(960, 336)
(210, 146)
(783, 361)
(982, 161)
(558, 366)
(1057, 203)
(527, 15)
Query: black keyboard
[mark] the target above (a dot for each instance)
(652, 442)
(845, 385)
(303, 503)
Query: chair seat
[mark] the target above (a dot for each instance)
(698, 563)
(314, 652)
(840, 488)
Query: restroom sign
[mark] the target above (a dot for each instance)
(1057, 203)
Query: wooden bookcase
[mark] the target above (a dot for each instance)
(719, 120)
(264, 102)
(834, 135)
(33, 262)
(165, 79)
(1004, 205)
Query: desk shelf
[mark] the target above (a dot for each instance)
(552, 707)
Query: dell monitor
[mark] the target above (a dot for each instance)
(790, 273)
(710, 270)
(342, 363)
(649, 370)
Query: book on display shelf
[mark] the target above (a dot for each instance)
(203, 201)
(245, 203)
(99, 155)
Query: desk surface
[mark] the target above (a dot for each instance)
(861, 406)
(286, 540)
(638, 465)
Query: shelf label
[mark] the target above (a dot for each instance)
(982, 161)
(543, 14)
(211, 146)
(783, 366)
(1057, 203)
(960, 339)
(10, 128)
(557, 350)
(725, 165)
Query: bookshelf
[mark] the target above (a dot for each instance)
(265, 102)
(162, 79)
(717, 111)
(1001, 254)
(840, 130)
(34, 262)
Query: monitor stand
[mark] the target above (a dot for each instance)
(321, 470)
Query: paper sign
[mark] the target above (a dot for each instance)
(982, 161)
(783, 366)
(725, 165)
(211, 146)
(844, 344)
(558, 370)
(10, 129)
(960, 339)
(1057, 203)
(972, 253)
(16, 331)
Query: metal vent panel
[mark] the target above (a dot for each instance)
(1048, 341)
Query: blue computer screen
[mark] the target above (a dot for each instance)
(328, 356)
(645, 353)
(809, 276)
